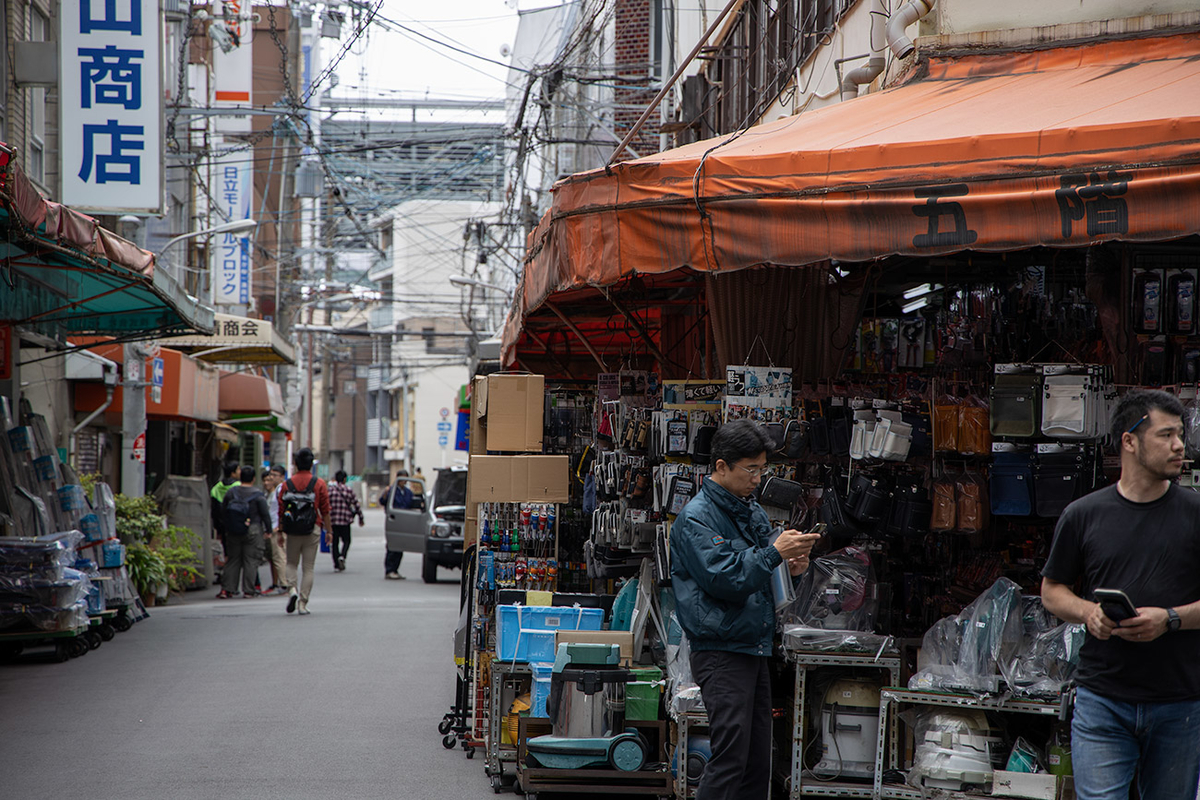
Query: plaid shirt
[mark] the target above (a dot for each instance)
(343, 505)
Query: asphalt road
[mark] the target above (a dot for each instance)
(237, 699)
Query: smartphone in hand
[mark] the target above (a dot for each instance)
(1115, 604)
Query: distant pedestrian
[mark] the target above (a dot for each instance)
(343, 507)
(303, 504)
(398, 499)
(246, 516)
(229, 478)
(275, 541)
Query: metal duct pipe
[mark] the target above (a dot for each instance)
(909, 13)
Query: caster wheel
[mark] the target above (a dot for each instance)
(449, 741)
(10, 651)
(496, 784)
(444, 726)
(63, 651)
(627, 755)
(79, 647)
(470, 752)
(107, 632)
(93, 640)
(122, 624)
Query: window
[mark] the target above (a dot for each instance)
(658, 27)
(39, 27)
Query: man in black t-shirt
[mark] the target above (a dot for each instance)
(1137, 710)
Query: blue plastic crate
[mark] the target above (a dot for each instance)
(526, 633)
(540, 693)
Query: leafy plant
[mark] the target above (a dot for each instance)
(147, 568)
(88, 481)
(155, 552)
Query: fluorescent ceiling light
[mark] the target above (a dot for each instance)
(919, 303)
(923, 289)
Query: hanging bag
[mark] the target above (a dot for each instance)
(1015, 401)
(1058, 480)
(1011, 484)
(1066, 406)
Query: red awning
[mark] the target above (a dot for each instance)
(252, 402)
(1063, 147)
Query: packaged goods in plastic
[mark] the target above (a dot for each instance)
(964, 653)
(682, 690)
(112, 554)
(837, 593)
(43, 618)
(1047, 662)
(105, 506)
(540, 690)
(642, 693)
(954, 750)
(38, 553)
(805, 639)
(57, 592)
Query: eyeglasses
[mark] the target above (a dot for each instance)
(756, 472)
(1139, 422)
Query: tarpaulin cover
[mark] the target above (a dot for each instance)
(68, 274)
(1061, 147)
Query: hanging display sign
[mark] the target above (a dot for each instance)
(233, 65)
(110, 120)
(761, 393)
(230, 252)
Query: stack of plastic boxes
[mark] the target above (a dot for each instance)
(527, 634)
(39, 588)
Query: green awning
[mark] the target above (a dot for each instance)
(64, 274)
(262, 423)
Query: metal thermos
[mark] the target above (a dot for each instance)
(782, 589)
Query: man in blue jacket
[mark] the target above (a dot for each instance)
(721, 565)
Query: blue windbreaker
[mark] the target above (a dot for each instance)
(721, 566)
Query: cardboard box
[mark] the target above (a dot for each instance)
(1035, 786)
(516, 479)
(478, 433)
(622, 638)
(512, 411)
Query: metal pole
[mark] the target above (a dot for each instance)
(133, 422)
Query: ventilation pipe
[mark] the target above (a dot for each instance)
(861, 76)
(909, 13)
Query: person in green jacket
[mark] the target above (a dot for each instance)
(721, 565)
(229, 478)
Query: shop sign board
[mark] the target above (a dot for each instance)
(233, 65)
(231, 251)
(139, 447)
(110, 121)
(158, 369)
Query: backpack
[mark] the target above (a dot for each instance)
(237, 514)
(299, 508)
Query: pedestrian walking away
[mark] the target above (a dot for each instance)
(303, 505)
(343, 508)
(721, 566)
(229, 479)
(276, 542)
(1137, 706)
(245, 516)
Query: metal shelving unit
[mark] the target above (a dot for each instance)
(684, 723)
(505, 678)
(894, 696)
(886, 747)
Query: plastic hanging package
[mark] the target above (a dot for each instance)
(835, 607)
(682, 689)
(964, 653)
(105, 506)
(974, 435)
(945, 423)
(1047, 663)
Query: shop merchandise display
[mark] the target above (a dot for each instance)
(63, 580)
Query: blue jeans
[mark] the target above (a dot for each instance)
(1112, 741)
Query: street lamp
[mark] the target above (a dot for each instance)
(459, 280)
(233, 226)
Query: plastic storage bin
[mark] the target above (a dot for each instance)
(642, 694)
(540, 691)
(526, 633)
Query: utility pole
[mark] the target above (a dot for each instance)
(133, 422)
(329, 385)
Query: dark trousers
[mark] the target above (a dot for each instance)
(341, 542)
(391, 562)
(736, 689)
(242, 555)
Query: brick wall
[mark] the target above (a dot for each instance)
(634, 63)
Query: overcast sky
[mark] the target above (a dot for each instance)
(400, 63)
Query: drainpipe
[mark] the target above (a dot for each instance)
(88, 421)
(909, 13)
(861, 76)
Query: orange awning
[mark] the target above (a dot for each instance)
(253, 403)
(189, 388)
(1063, 147)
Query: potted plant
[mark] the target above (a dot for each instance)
(160, 558)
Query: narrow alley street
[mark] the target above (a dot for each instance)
(237, 699)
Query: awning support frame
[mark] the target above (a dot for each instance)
(637, 326)
(575, 330)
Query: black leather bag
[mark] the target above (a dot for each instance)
(796, 439)
(781, 493)
(910, 511)
(868, 500)
(702, 445)
(1059, 479)
(839, 436)
(832, 512)
(818, 436)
